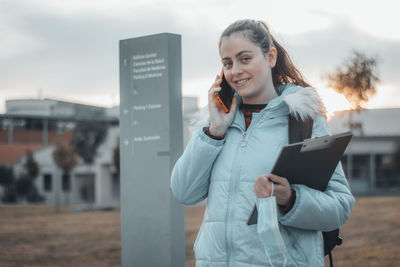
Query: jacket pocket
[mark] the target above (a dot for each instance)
(294, 250)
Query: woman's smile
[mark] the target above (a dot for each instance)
(242, 82)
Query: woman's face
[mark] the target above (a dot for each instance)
(247, 69)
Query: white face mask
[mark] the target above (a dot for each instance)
(268, 228)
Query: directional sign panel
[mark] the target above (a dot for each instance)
(152, 221)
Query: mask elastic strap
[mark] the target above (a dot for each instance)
(284, 254)
(272, 192)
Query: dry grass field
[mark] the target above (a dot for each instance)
(36, 236)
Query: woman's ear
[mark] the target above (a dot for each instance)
(271, 56)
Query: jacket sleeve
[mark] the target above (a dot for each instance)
(317, 210)
(190, 176)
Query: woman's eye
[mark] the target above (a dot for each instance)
(227, 64)
(245, 59)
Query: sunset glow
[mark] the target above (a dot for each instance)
(332, 100)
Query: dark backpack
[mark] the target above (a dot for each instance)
(298, 131)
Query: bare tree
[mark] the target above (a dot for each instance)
(88, 136)
(8, 182)
(116, 174)
(65, 157)
(356, 79)
(31, 166)
(116, 159)
(25, 185)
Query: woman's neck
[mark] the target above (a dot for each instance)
(264, 98)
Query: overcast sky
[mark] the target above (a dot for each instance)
(69, 49)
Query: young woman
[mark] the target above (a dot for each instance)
(230, 158)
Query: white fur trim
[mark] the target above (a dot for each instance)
(199, 119)
(304, 103)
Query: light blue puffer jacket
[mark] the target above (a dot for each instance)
(225, 171)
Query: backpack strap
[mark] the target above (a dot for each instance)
(331, 239)
(299, 130)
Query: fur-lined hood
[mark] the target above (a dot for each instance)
(302, 102)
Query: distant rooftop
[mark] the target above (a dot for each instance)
(370, 122)
(52, 107)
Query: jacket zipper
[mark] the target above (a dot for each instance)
(243, 143)
(229, 206)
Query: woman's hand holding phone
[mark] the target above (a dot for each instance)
(219, 119)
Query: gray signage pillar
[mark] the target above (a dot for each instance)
(152, 221)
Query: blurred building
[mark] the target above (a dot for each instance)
(372, 159)
(36, 125)
(95, 184)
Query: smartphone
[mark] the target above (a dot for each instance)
(225, 95)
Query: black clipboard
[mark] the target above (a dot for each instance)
(311, 162)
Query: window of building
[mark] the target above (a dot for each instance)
(386, 171)
(47, 182)
(361, 167)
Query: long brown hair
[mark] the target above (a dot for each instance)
(258, 33)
